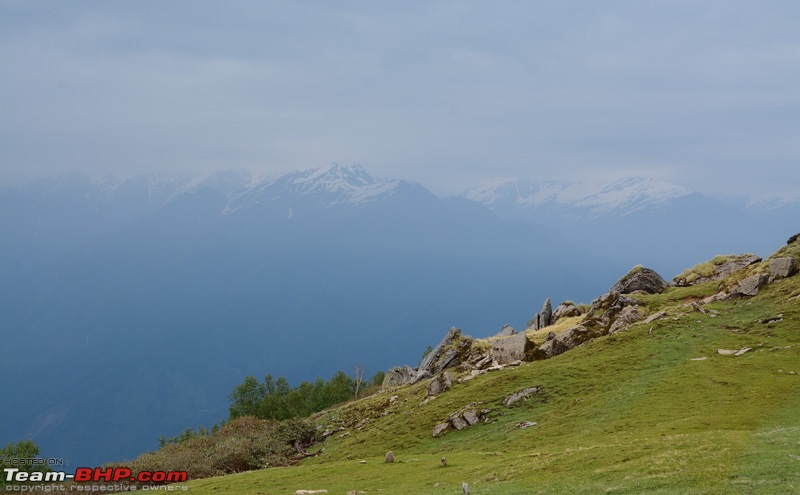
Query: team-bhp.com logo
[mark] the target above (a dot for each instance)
(19, 481)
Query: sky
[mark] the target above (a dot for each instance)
(447, 93)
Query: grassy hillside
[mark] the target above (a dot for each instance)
(637, 411)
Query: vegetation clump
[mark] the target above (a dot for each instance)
(243, 444)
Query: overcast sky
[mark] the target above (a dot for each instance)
(450, 94)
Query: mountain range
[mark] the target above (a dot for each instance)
(132, 307)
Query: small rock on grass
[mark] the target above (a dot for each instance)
(734, 352)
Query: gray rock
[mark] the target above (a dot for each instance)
(628, 315)
(605, 311)
(471, 417)
(793, 238)
(484, 362)
(440, 428)
(750, 285)
(547, 313)
(401, 375)
(697, 307)
(459, 423)
(782, 267)
(544, 318)
(509, 349)
(563, 342)
(653, 317)
(464, 488)
(448, 360)
(440, 384)
(506, 331)
(640, 278)
(390, 456)
(422, 375)
(565, 310)
(550, 336)
(516, 397)
(447, 353)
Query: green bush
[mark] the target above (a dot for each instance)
(24, 449)
(243, 444)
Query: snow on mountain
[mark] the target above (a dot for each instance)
(622, 197)
(335, 185)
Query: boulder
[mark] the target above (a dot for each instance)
(640, 279)
(749, 286)
(459, 423)
(565, 310)
(509, 349)
(390, 456)
(471, 417)
(506, 331)
(782, 267)
(793, 239)
(440, 384)
(440, 428)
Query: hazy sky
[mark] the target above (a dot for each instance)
(702, 93)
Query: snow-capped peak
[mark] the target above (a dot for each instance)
(622, 196)
(334, 185)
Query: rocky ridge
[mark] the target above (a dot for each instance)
(739, 276)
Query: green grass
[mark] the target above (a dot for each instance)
(627, 413)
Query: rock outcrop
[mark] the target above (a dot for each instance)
(450, 352)
(400, 375)
(716, 269)
(466, 416)
(628, 315)
(640, 279)
(566, 340)
(609, 313)
(543, 318)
